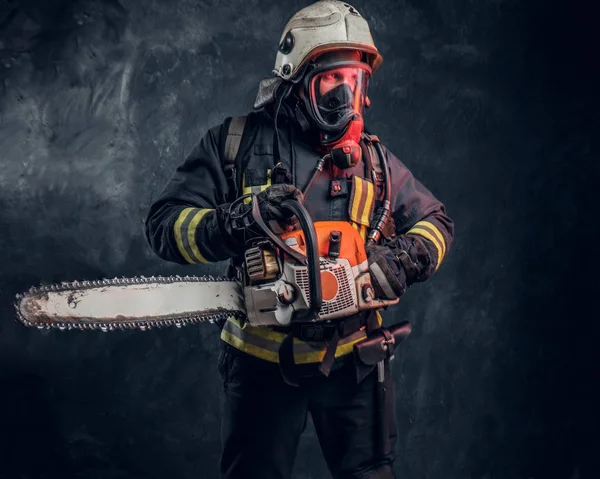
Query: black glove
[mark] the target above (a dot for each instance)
(235, 219)
(413, 256)
(387, 274)
(269, 203)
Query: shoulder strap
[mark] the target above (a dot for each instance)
(235, 131)
(373, 162)
(383, 220)
(234, 139)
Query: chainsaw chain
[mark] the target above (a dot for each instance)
(143, 325)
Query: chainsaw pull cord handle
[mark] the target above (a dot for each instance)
(385, 211)
(314, 264)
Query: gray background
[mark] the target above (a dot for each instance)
(490, 105)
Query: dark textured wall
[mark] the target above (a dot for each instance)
(488, 102)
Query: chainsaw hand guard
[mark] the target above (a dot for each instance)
(311, 260)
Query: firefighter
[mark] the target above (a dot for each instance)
(311, 107)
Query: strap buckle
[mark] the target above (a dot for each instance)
(316, 332)
(388, 342)
(325, 331)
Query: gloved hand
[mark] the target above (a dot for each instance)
(269, 203)
(387, 274)
(235, 219)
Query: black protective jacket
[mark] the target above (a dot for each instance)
(200, 182)
(182, 224)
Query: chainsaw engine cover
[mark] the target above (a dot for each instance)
(344, 276)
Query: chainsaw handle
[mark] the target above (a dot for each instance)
(298, 256)
(314, 264)
(310, 260)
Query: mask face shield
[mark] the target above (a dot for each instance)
(337, 93)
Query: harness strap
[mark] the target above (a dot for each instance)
(371, 322)
(231, 149)
(327, 362)
(376, 165)
(330, 333)
(373, 163)
(234, 138)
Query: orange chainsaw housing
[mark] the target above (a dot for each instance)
(352, 248)
(345, 281)
(352, 245)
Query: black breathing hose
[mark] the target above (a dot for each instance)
(385, 210)
(318, 169)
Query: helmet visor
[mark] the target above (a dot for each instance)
(338, 93)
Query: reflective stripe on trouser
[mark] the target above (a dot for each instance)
(361, 204)
(264, 343)
(185, 234)
(429, 231)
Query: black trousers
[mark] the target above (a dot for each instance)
(264, 417)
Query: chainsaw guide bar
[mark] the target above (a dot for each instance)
(131, 303)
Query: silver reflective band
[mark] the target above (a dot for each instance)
(382, 281)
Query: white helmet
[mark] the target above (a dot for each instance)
(319, 28)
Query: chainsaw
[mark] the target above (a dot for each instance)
(318, 272)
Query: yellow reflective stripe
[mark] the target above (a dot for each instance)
(304, 352)
(178, 236)
(264, 187)
(361, 229)
(191, 233)
(433, 239)
(258, 330)
(317, 356)
(363, 195)
(272, 356)
(436, 232)
(254, 189)
(182, 233)
(364, 218)
(356, 199)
